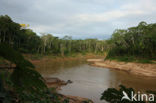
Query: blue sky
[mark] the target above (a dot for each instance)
(79, 18)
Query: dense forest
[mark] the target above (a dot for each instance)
(139, 41)
(27, 41)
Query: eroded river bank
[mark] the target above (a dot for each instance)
(140, 69)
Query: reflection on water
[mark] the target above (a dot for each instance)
(90, 82)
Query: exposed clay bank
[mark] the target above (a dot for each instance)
(148, 70)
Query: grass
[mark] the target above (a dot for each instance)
(131, 59)
(69, 55)
(33, 56)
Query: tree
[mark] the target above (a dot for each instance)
(135, 41)
(113, 95)
(27, 84)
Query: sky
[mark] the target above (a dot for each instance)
(80, 19)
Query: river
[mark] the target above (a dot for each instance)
(89, 81)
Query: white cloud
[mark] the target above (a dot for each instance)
(107, 16)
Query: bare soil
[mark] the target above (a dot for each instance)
(141, 69)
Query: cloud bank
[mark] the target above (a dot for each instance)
(79, 18)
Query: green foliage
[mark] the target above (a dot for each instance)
(139, 41)
(13, 56)
(67, 46)
(29, 88)
(130, 59)
(26, 41)
(6, 96)
(27, 84)
(11, 33)
(113, 95)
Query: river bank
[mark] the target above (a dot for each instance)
(54, 59)
(148, 70)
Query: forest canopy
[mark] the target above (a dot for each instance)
(139, 41)
(27, 41)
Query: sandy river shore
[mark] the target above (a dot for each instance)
(148, 70)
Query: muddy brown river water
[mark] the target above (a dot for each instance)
(89, 81)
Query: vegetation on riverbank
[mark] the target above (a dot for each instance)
(66, 57)
(131, 59)
(125, 44)
(113, 95)
(15, 86)
(27, 41)
(134, 44)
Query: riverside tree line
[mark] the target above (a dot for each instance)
(137, 41)
(26, 41)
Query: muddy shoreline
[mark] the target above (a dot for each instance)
(147, 70)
